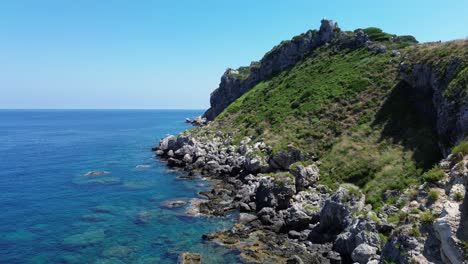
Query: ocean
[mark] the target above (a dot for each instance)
(52, 213)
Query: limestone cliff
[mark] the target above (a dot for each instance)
(450, 115)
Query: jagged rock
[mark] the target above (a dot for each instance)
(449, 223)
(334, 257)
(172, 162)
(284, 158)
(255, 164)
(336, 214)
(264, 196)
(198, 121)
(170, 153)
(294, 260)
(243, 207)
(446, 227)
(212, 165)
(296, 218)
(168, 143)
(187, 158)
(294, 234)
(199, 163)
(354, 41)
(267, 215)
(245, 218)
(363, 253)
(378, 48)
(359, 232)
(305, 176)
(284, 190)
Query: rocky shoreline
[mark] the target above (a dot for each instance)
(286, 217)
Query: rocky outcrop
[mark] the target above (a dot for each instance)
(433, 229)
(337, 212)
(451, 117)
(278, 59)
(198, 121)
(449, 227)
(305, 176)
(363, 253)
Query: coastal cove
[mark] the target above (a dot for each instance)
(53, 213)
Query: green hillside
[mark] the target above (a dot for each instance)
(349, 109)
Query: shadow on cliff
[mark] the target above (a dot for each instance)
(408, 118)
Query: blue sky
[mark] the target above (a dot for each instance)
(171, 54)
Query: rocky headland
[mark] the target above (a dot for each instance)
(294, 207)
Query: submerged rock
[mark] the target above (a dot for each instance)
(143, 217)
(173, 203)
(95, 173)
(117, 252)
(142, 166)
(190, 258)
(87, 238)
(95, 217)
(99, 181)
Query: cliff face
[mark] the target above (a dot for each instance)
(278, 59)
(449, 114)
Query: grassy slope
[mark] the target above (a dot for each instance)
(348, 109)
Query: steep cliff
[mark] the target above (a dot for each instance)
(439, 73)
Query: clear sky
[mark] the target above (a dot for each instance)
(171, 54)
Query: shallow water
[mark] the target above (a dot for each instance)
(51, 213)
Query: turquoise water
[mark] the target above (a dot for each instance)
(51, 213)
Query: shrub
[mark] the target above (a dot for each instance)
(458, 196)
(374, 218)
(406, 38)
(461, 148)
(311, 208)
(433, 195)
(427, 217)
(433, 175)
(414, 232)
(464, 245)
(376, 34)
(413, 194)
(383, 238)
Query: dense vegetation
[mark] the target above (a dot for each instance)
(348, 109)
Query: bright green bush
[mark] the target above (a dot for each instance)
(458, 196)
(376, 34)
(414, 231)
(433, 175)
(433, 195)
(427, 217)
(461, 148)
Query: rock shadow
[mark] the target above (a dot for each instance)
(408, 118)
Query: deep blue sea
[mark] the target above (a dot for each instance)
(51, 213)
